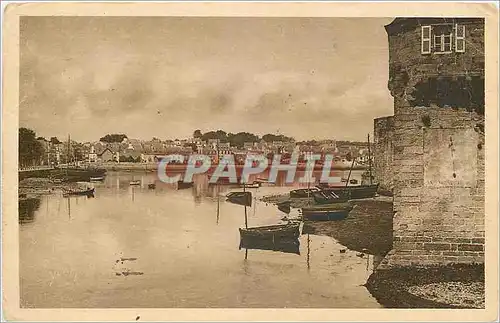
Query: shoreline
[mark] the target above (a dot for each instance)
(183, 167)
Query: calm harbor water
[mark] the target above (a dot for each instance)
(135, 247)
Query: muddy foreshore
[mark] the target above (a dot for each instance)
(35, 186)
(368, 228)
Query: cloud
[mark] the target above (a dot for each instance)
(108, 86)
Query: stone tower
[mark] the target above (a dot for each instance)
(430, 153)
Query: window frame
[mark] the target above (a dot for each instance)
(426, 39)
(461, 38)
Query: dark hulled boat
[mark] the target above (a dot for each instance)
(328, 197)
(240, 198)
(87, 192)
(181, 185)
(284, 207)
(303, 192)
(274, 233)
(353, 192)
(325, 213)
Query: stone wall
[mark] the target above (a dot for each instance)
(382, 154)
(438, 165)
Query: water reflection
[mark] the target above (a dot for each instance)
(179, 247)
(27, 208)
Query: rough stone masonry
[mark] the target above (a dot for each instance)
(430, 154)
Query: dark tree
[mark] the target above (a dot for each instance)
(54, 141)
(241, 137)
(197, 133)
(270, 138)
(30, 150)
(113, 138)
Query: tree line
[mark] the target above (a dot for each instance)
(238, 139)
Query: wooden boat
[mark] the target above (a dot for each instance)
(286, 246)
(325, 214)
(240, 198)
(284, 207)
(184, 185)
(152, 186)
(255, 184)
(303, 192)
(326, 197)
(97, 179)
(353, 192)
(272, 232)
(87, 192)
(135, 182)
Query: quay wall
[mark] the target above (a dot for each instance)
(438, 177)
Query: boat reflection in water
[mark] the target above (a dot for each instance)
(289, 246)
(240, 198)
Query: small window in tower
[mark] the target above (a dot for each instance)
(443, 35)
(460, 38)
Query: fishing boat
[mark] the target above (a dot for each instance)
(286, 246)
(152, 186)
(279, 232)
(181, 185)
(284, 207)
(97, 179)
(303, 192)
(325, 197)
(353, 192)
(87, 192)
(241, 198)
(325, 214)
(135, 182)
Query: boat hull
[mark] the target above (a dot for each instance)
(355, 192)
(89, 192)
(184, 185)
(302, 192)
(325, 215)
(271, 233)
(240, 198)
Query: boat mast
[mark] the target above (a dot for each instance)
(246, 217)
(350, 170)
(218, 203)
(369, 160)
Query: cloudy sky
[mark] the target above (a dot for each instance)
(310, 78)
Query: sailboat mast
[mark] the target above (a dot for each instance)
(246, 217)
(218, 203)
(350, 170)
(370, 159)
(69, 149)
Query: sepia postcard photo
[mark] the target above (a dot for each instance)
(250, 161)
